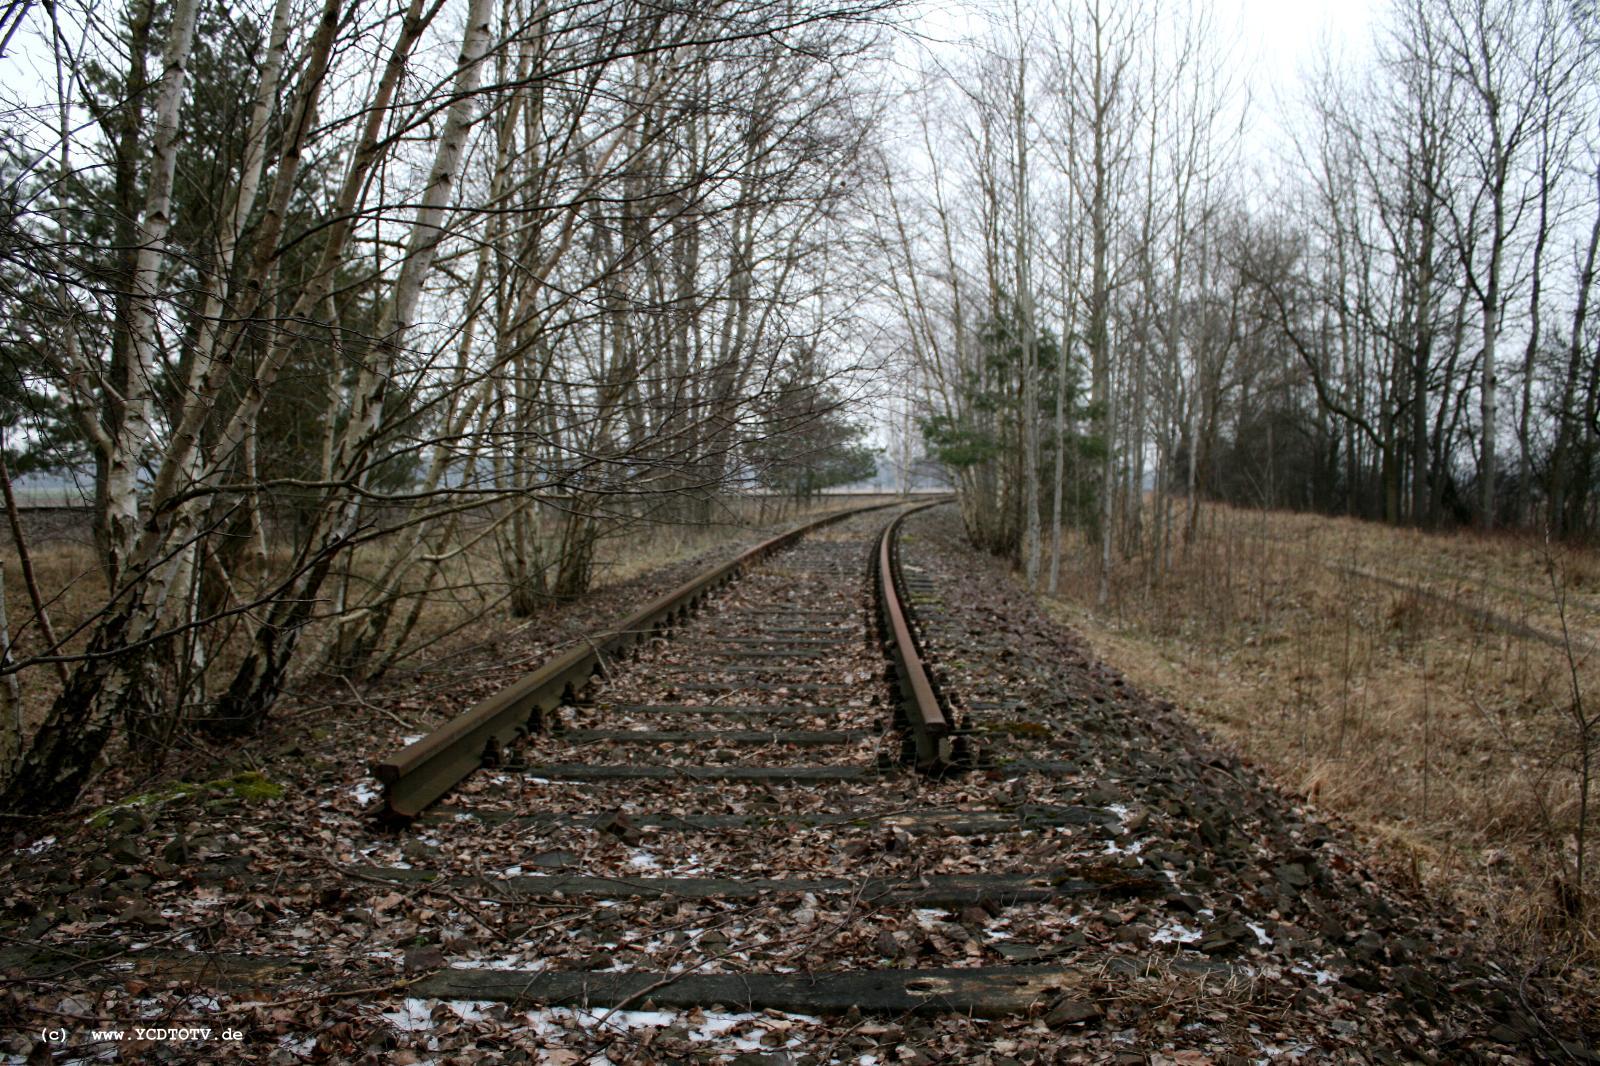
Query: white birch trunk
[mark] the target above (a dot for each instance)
(136, 434)
(263, 669)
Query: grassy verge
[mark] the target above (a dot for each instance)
(1417, 684)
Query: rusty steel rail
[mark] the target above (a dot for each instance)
(420, 773)
(920, 713)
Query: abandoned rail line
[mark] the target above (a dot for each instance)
(839, 799)
(790, 698)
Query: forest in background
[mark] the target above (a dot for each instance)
(1136, 331)
(1106, 287)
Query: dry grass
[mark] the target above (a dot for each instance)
(1448, 739)
(466, 595)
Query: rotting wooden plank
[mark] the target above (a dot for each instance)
(732, 772)
(802, 737)
(704, 667)
(747, 653)
(799, 642)
(732, 709)
(982, 991)
(944, 890)
(979, 991)
(954, 823)
(836, 631)
(776, 608)
(211, 969)
(760, 686)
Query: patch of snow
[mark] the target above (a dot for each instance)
(509, 964)
(501, 779)
(471, 1010)
(300, 1047)
(1175, 933)
(363, 793)
(1271, 1053)
(149, 1009)
(512, 871)
(1261, 934)
(40, 846)
(1133, 848)
(721, 1032)
(412, 739)
(414, 1015)
(1323, 976)
(417, 1014)
(643, 859)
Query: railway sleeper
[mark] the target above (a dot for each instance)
(984, 992)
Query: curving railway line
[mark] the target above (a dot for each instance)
(846, 798)
(729, 789)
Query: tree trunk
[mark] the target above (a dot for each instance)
(259, 679)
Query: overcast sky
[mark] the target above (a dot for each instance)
(1274, 39)
(1283, 36)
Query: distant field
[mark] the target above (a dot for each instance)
(1418, 684)
(470, 595)
(48, 496)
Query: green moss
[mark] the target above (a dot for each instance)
(102, 818)
(251, 786)
(1017, 727)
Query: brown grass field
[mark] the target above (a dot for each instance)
(1417, 685)
(467, 595)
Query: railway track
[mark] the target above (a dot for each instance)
(736, 815)
(845, 799)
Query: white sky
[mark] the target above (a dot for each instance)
(1282, 40)
(1275, 40)
(1284, 36)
